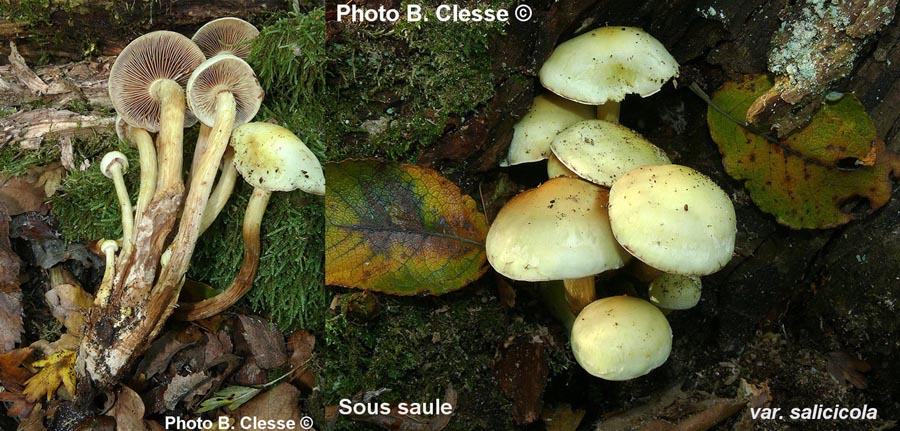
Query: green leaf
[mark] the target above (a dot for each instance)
(231, 397)
(400, 229)
(815, 177)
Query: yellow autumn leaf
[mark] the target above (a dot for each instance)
(56, 369)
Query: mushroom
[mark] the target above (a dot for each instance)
(222, 92)
(556, 168)
(109, 248)
(601, 152)
(601, 66)
(114, 165)
(270, 158)
(674, 219)
(675, 292)
(222, 192)
(557, 231)
(549, 114)
(145, 86)
(141, 139)
(621, 338)
(228, 35)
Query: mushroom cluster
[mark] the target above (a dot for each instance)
(612, 196)
(162, 83)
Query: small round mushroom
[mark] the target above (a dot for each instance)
(621, 338)
(601, 152)
(141, 139)
(270, 158)
(145, 87)
(675, 292)
(226, 35)
(109, 248)
(557, 231)
(114, 165)
(549, 115)
(674, 219)
(600, 67)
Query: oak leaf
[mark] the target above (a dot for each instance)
(817, 177)
(400, 229)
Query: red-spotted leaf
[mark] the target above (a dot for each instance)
(819, 176)
(400, 229)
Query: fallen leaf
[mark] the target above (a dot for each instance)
(69, 304)
(181, 386)
(12, 374)
(846, 368)
(400, 229)
(522, 375)
(22, 193)
(562, 418)
(301, 344)
(160, 353)
(46, 243)
(56, 369)
(34, 421)
(813, 178)
(128, 410)
(260, 339)
(231, 398)
(279, 403)
(11, 325)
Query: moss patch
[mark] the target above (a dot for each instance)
(396, 86)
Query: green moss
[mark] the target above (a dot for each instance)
(418, 346)
(86, 206)
(396, 86)
(289, 288)
(289, 58)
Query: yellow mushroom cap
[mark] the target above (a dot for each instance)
(273, 158)
(549, 114)
(606, 64)
(225, 35)
(557, 231)
(621, 338)
(675, 292)
(674, 219)
(224, 72)
(151, 57)
(601, 152)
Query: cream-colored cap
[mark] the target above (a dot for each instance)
(601, 152)
(606, 64)
(555, 168)
(675, 292)
(621, 338)
(674, 219)
(559, 230)
(273, 158)
(110, 158)
(549, 115)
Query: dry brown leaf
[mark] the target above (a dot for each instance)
(279, 403)
(181, 386)
(69, 304)
(11, 325)
(846, 368)
(65, 342)
(522, 374)
(34, 421)
(261, 340)
(27, 192)
(128, 410)
(301, 344)
(12, 374)
(562, 418)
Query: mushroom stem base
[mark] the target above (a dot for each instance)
(242, 283)
(579, 293)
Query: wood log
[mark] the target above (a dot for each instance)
(75, 30)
